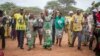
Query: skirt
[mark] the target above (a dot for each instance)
(59, 33)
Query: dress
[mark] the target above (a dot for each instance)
(59, 26)
(30, 34)
(47, 26)
(68, 27)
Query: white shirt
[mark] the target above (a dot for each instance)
(90, 22)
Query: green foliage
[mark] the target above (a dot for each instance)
(62, 5)
(67, 3)
(7, 6)
(11, 8)
(97, 4)
(89, 9)
(52, 5)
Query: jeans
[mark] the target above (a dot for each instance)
(20, 38)
(53, 34)
(2, 32)
(13, 33)
(75, 34)
(97, 35)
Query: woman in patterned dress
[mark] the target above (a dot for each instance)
(47, 30)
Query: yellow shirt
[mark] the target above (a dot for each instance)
(69, 20)
(20, 22)
(77, 22)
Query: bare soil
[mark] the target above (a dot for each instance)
(13, 50)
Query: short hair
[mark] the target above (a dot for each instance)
(1, 13)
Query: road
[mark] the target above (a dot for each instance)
(12, 50)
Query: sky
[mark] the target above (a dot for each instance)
(83, 4)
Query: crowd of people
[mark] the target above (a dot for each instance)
(50, 28)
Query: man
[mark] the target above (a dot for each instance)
(53, 26)
(68, 27)
(20, 27)
(13, 31)
(97, 32)
(2, 30)
(77, 22)
(91, 28)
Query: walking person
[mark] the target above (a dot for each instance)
(13, 30)
(85, 31)
(47, 27)
(2, 30)
(68, 27)
(20, 27)
(77, 23)
(30, 33)
(97, 32)
(59, 27)
(40, 27)
(27, 15)
(90, 24)
(7, 26)
(92, 27)
(53, 26)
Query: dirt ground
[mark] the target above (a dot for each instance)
(12, 50)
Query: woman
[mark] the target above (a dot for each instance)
(68, 26)
(53, 26)
(47, 31)
(59, 26)
(40, 27)
(30, 33)
(7, 27)
(85, 32)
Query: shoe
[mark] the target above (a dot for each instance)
(21, 48)
(50, 48)
(84, 44)
(79, 48)
(29, 49)
(60, 45)
(26, 43)
(71, 45)
(18, 46)
(33, 46)
(90, 48)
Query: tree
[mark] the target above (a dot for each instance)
(94, 5)
(66, 3)
(34, 10)
(7, 6)
(62, 5)
(52, 5)
(11, 8)
(97, 4)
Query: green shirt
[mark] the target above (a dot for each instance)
(59, 22)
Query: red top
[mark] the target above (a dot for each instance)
(98, 20)
(98, 17)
